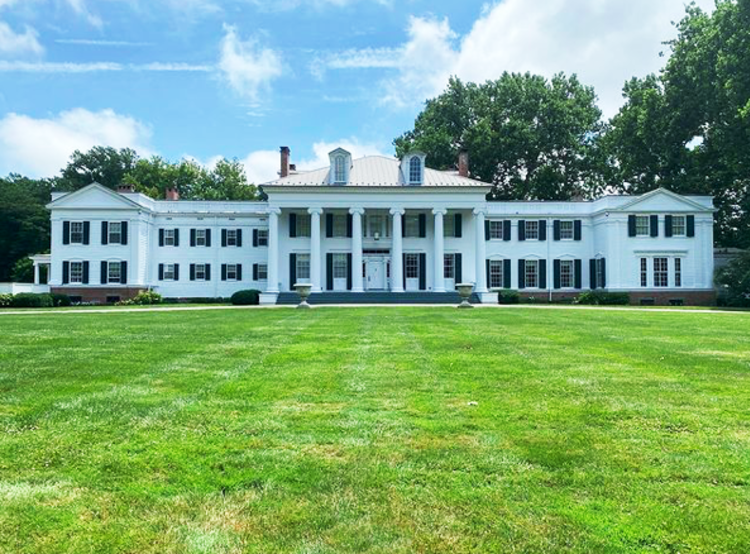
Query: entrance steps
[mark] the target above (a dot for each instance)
(322, 298)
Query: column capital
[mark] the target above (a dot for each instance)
(397, 211)
(360, 211)
(480, 211)
(274, 210)
(314, 211)
(439, 211)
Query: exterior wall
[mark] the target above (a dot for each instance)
(98, 295)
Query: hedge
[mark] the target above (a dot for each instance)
(246, 298)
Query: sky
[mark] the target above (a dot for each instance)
(205, 79)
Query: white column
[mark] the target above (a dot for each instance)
(480, 252)
(273, 250)
(439, 250)
(357, 284)
(315, 259)
(36, 273)
(397, 252)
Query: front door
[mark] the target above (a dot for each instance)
(340, 272)
(411, 271)
(376, 275)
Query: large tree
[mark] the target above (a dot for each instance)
(532, 138)
(102, 164)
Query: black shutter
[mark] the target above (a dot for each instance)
(292, 269)
(329, 225)
(654, 225)
(603, 284)
(556, 276)
(403, 269)
(349, 225)
(403, 226)
(66, 232)
(506, 274)
(255, 272)
(632, 229)
(192, 272)
(521, 274)
(577, 231)
(458, 268)
(486, 230)
(667, 226)
(103, 273)
(578, 278)
(690, 226)
(521, 229)
(592, 274)
(124, 233)
(208, 272)
(422, 225)
(176, 272)
(105, 232)
(208, 237)
(506, 229)
(223, 238)
(329, 271)
(123, 273)
(423, 271)
(542, 274)
(458, 230)
(177, 237)
(239, 272)
(487, 273)
(255, 237)
(543, 230)
(239, 238)
(86, 231)
(192, 237)
(161, 272)
(66, 273)
(349, 270)
(85, 273)
(161, 237)
(292, 225)
(223, 272)
(556, 229)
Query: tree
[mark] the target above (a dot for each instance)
(734, 280)
(102, 164)
(155, 175)
(23, 271)
(226, 181)
(533, 139)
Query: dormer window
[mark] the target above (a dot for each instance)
(412, 168)
(340, 170)
(341, 165)
(415, 171)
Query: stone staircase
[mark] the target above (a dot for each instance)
(448, 298)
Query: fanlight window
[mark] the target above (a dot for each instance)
(415, 170)
(339, 170)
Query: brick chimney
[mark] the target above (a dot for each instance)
(284, 162)
(125, 188)
(172, 194)
(463, 162)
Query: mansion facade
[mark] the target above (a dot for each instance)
(385, 225)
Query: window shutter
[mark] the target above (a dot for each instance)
(556, 229)
(556, 276)
(239, 272)
(85, 273)
(654, 225)
(66, 232)
(423, 271)
(521, 229)
(292, 270)
(223, 238)
(543, 230)
(349, 225)
(86, 231)
(208, 237)
(192, 272)
(255, 238)
(292, 225)
(349, 271)
(487, 273)
(506, 274)
(329, 271)
(422, 225)
(105, 232)
(668, 226)
(176, 272)
(506, 229)
(458, 267)
(208, 272)
(124, 233)
(592, 274)
(486, 230)
(239, 238)
(542, 274)
(123, 273)
(223, 272)
(521, 274)
(255, 272)
(177, 237)
(603, 284)
(690, 226)
(329, 225)
(458, 225)
(577, 230)
(103, 273)
(403, 269)
(66, 273)
(161, 237)
(161, 272)
(631, 227)
(578, 278)
(192, 237)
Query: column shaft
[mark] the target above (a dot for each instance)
(439, 251)
(315, 255)
(357, 281)
(481, 253)
(397, 252)
(273, 251)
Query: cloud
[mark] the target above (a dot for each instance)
(14, 44)
(41, 147)
(247, 67)
(79, 6)
(96, 67)
(94, 42)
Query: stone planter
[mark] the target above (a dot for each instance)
(464, 291)
(304, 290)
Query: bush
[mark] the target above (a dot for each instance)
(31, 300)
(601, 298)
(246, 298)
(734, 283)
(6, 300)
(508, 297)
(143, 298)
(61, 300)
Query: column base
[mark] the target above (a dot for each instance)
(268, 298)
(488, 297)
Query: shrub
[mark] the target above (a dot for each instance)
(246, 298)
(508, 297)
(6, 300)
(31, 300)
(601, 298)
(147, 297)
(61, 300)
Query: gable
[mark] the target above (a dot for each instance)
(662, 200)
(94, 196)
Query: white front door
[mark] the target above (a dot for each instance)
(339, 272)
(412, 272)
(375, 275)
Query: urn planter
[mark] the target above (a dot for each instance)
(303, 290)
(464, 291)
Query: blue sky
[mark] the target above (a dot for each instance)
(239, 78)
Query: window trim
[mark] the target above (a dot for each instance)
(407, 219)
(683, 218)
(572, 229)
(198, 238)
(639, 217)
(501, 265)
(262, 268)
(494, 225)
(233, 234)
(203, 267)
(109, 232)
(416, 169)
(166, 272)
(528, 263)
(526, 229)
(572, 275)
(262, 240)
(72, 223)
(167, 238)
(339, 170)
(234, 266)
(70, 272)
(660, 274)
(110, 265)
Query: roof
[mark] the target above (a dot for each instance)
(376, 171)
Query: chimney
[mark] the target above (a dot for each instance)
(125, 188)
(463, 162)
(172, 194)
(284, 162)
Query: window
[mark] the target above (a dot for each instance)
(76, 232)
(76, 272)
(169, 239)
(303, 268)
(532, 230)
(496, 230)
(661, 272)
(644, 272)
(339, 225)
(169, 272)
(411, 225)
(113, 272)
(339, 175)
(566, 230)
(678, 272)
(496, 274)
(231, 237)
(375, 225)
(679, 226)
(231, 272)
(532, 273)
(415, 170)
(412, 266)
(642, 226)
(200, 237)
(115, 232)
(262, 237)
(449, 226)
(339, 266)
(262, 272)
(303, 225)
(600, 273)
(200, 272)
(567, 274)
(449, 266)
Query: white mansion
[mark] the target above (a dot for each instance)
(384, 225)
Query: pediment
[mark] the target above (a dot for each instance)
(92, 197)
(662, 200)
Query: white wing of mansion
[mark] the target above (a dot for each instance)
(384, 228)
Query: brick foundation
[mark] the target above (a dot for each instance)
(98, 295)
(660, 298)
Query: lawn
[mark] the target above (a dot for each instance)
(388, 430)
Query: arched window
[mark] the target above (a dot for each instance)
(339, 170)
(415, 170)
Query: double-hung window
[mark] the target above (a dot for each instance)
(76, 271)
(566, 230)
(231, 237)
(303, 268)
(169, 272)
(496, 230)
(411, 222)
(200, 237)
(449, 266)
(644, 272)
(678, 272)
(76, 232)
(496, 274)
(169, 237)
(532, 274)
(449, 226)
(115, 232)
(339, 266)
(339, 225)
(114, 274)
(200, 272)
(642, 226)
(532, 230)
(262, 272)
(661, 272)
(303, 225)
(231, 272)
(679, 226)
(262, 237)
(412, 266)
(567, 274)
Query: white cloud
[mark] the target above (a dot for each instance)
(14, 44)
(41, 147)
(248, 67)
(79, 6)
(95, 67)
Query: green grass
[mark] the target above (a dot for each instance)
(355, 430)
